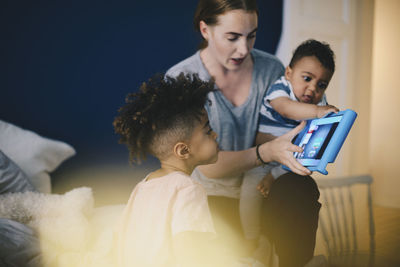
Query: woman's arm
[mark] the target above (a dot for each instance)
(300, 111)
(261, 138)
(231, 163)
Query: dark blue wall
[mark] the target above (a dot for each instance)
(66, 66)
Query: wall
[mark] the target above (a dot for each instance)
(66, 67)
(385, 101)
(371, 81)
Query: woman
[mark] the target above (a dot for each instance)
(242, 74)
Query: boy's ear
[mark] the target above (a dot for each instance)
(204, 30)
(181, 150)
(288, 73)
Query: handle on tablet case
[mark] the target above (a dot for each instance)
(340, 134)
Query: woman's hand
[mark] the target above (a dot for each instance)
(281, 150)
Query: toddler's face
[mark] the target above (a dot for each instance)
(309, 79)
(203, 144)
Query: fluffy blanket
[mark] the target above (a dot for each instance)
(71, 231)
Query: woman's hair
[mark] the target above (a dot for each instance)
(320, 50)
(162, 113)
(209, 10)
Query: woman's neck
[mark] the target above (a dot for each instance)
(218, 70)
(234, 84)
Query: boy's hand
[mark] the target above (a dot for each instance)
(265, 185)
(323, 110)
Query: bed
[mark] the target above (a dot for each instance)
(38, 227)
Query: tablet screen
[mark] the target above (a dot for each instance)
(316, 139)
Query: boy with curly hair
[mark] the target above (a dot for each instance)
(167, 218)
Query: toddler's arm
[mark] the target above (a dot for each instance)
(300, 111)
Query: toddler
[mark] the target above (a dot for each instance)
(298, 95)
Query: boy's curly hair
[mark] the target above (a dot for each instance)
(162, 113)
(312, 47)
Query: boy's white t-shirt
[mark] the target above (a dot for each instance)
(157, 210)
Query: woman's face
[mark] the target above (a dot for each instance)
(232, 38)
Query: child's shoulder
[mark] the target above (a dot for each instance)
(282, 81)
(185, 185)
(280, 84)
(176, 179)
(181, 178)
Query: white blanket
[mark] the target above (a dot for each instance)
(72, 232)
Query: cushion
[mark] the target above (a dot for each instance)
(12, 178)
(19, 245)
(34, 154)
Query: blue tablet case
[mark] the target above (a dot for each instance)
(321, 139)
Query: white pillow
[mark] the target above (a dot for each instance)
(34, 154)
(12, 178)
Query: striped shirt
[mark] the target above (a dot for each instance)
(270, 121)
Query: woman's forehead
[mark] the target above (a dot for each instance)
(238, 20)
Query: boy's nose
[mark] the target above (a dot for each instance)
(311, 87)
(215, 135)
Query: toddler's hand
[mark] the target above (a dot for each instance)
(323, 110)
(265, 185)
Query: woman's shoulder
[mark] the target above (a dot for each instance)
(267, 67)
(265, 57)
(188, 65)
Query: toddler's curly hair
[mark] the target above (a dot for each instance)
(320, 50)
(162, 113)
